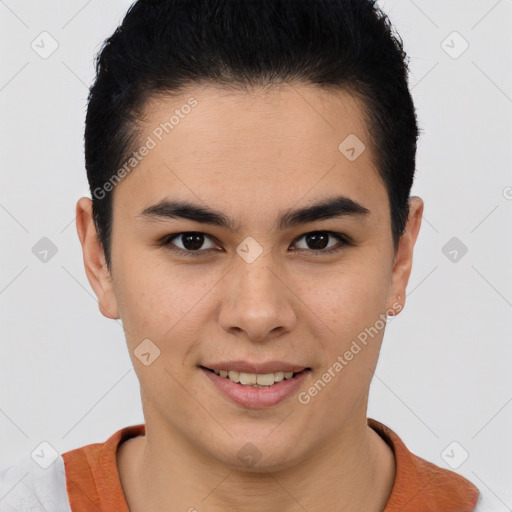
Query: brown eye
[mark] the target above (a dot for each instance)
(191, 242)
(318, 241)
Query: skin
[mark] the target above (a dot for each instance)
(253, 155)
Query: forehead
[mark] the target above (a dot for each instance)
(281, 143)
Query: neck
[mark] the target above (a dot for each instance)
(354, 471)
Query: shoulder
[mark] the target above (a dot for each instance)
(443, 486)
(84, 478)
(25, 486)
(421, 484)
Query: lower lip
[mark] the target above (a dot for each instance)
(256, 398)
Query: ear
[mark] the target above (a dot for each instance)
(94, 259)
(403, 258)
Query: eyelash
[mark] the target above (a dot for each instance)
(166, 242)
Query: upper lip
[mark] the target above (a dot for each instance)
(248, 367)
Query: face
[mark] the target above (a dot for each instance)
(255, 283)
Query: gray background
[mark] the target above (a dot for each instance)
(444, 371)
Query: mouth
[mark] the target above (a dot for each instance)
(256, 390)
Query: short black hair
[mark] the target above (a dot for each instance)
(164, 46)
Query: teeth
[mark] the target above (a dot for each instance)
(233, 376)
(279, 376)
(247, 378)
(266, 379)
(254, 379)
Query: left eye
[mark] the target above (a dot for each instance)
(192, 241)
(319, 241)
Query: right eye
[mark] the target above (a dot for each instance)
(191, 242)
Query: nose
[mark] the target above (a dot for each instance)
(256, 302)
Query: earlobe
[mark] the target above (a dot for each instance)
(96, 269)
(395, 307)
(404, 255)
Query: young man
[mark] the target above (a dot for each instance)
(250, 164)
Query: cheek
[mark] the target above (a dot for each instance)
(349, 315)
(160, 302)
(348, 300)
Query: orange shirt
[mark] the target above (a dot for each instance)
(86, 479)
(420, 486)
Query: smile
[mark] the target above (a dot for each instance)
(252, 390)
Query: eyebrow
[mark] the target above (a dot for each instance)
(335, 207)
